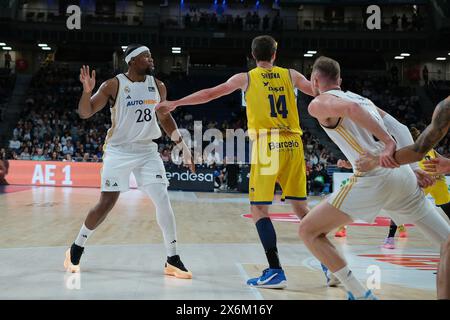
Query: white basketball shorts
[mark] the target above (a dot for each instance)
(394, 192)
(142, 159)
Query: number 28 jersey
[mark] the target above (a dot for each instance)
(271, 101)
(133, 116)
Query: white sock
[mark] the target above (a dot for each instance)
(164, 215)
(83, 236)
(350, 283)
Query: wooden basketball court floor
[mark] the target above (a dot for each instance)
(124, 258)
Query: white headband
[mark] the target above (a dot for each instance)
(135, 53)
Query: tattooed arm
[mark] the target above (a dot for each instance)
(429, 137)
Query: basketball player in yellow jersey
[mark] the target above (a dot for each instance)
(277, 150)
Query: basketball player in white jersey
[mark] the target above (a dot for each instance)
(129, 147)
(355, 124)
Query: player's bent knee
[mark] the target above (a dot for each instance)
(109, 198)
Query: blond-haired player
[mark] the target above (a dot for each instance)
(356, 125)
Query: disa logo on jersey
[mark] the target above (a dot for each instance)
(189, 176)
(141, 102)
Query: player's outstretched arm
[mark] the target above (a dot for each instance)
(299, 81)
(430, 136)
(88, 104)
(238, 81)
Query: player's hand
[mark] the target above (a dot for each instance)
(367, 162)
(438, 165)
(86, 79)
(188, 160)
(387, 156)
(423, 179)
(165, 106)
(344, 164)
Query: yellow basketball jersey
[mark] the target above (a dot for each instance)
(271, 101)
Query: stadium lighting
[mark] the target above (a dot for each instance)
(4, 44)
(42, 45)
(399, 58)
(441, 58)
(405, 54)
(308, 55)
(7, 48)
(176, 50)
(311, 52)
(123, 47)
(46, 48)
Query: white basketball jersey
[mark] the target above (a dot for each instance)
(133, 116)
(351, 139)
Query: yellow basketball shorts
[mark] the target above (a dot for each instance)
(439, 191)
(277, 158)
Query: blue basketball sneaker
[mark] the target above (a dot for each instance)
(332, 280)
(367, 296)
(270, 278)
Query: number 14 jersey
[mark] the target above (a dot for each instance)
(271, 101)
